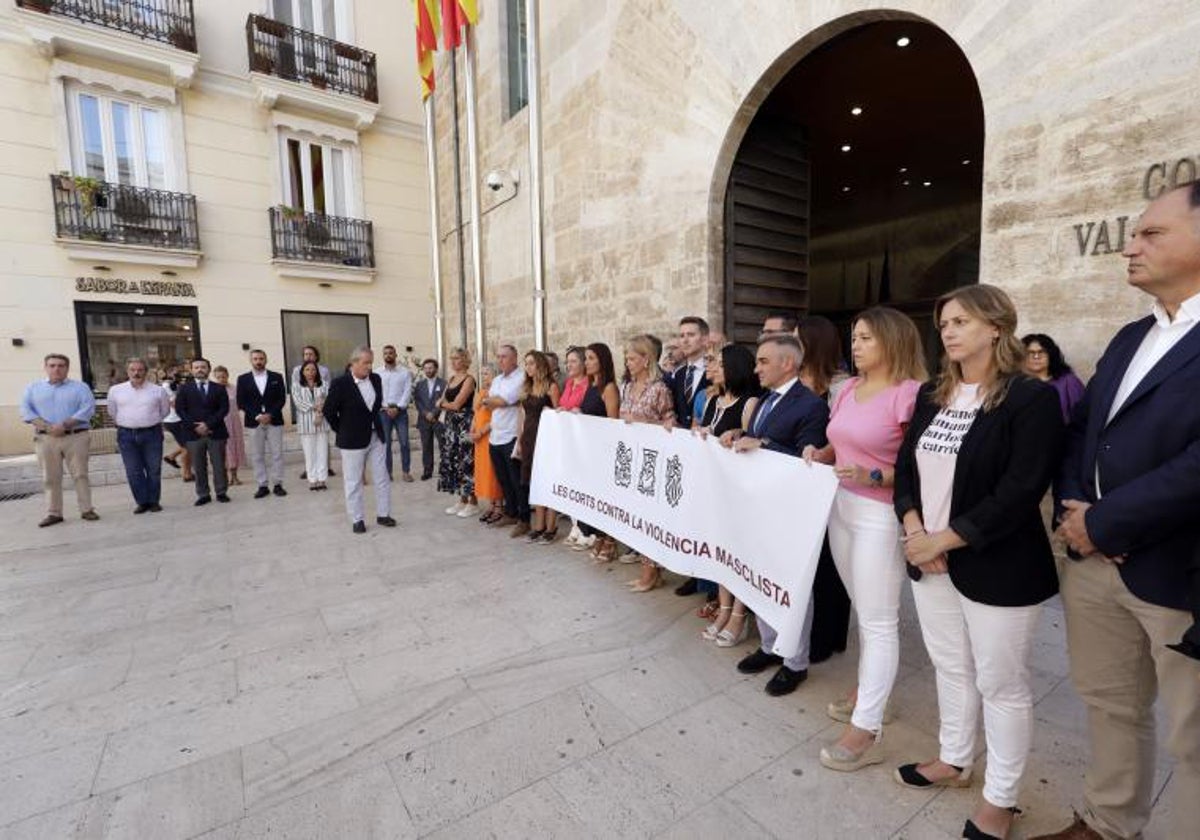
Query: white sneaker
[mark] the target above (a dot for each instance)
(575, 536)
(584, 543)
(468, 510)
(454, 509)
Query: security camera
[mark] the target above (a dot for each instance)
(494, 180)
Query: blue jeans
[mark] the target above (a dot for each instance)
(399, 426)
(141, 451)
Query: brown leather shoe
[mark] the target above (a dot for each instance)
(504, 521)
(519, 530)
(1077, 830)
(89, 515)
(51, 519)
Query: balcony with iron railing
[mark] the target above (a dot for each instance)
(337, 76)
(155, 35)
(320, 245)
(125, 221)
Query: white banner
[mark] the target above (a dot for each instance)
(752, 521)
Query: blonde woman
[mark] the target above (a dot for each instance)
(308, 397)
(976, 461)
(457, 471)
(645, 398)
(539, 392)
(867, 423)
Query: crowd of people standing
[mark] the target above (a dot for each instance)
(942, 480)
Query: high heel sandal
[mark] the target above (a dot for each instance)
(713, 630)
(654, 583)
(605, 550)
(726, 639)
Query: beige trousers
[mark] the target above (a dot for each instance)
(52, 452)
(1119, 664)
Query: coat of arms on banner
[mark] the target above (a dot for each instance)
(623, 468)
(647, 481)
(674, 483)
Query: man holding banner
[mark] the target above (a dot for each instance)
(788, 419)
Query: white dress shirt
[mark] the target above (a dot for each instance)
(504, 420)
(367, 388)
(1162, 336)
(397, 385)
(260, 379)
(138, 408)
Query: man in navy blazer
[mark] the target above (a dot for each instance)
(352, 410)
(426, 393)
(261, 395)
(202, 406)
(1130, 492)
(787, 419)
(689, 378)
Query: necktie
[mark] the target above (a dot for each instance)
(204, 390)
(688, 390)
(764, 411)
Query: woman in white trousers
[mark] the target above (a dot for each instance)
(977, 459)
(309, 399)
(866, 427)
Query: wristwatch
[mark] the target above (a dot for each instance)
(876, 476)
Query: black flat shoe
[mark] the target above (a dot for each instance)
(224, 499)
(141, 508)
(203, 500)
(262, 492)
(359, 527)
(758, 662)
(534, 536)
(155, 508)
(909, 776)
(785, 681)
(279, 491)
(973, 832)
(688, 587)
(385, 521)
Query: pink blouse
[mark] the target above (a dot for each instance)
(870, 433)
(572, 394)
(654, 405)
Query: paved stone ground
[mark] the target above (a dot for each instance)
(254, 670)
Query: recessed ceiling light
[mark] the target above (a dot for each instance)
(903, 169)
(845, 189)
(846, 147)
(966, 162)
(907, 182)
(903, 42)
(856, 111)
(926, 183)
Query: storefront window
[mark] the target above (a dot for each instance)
(112, 333)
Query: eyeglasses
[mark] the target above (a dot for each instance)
(1036, 354)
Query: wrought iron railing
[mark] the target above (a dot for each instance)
(97, 211)
(315, 237)
(168, 21)
(298, 56)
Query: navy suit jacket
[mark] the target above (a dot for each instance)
(798, 418)
(678, 384)
(271, 401)
(193, 408)
(1148, 457)
(352, 420)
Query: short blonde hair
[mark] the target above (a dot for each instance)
(461, 353)
(643, 346)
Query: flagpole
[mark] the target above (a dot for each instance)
(439, 314)
(536, 245)
(473, 193)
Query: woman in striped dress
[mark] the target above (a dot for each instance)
(309, 399)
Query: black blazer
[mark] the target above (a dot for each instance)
(1148, 456)
(1004, 467)
(351, 419)
(193, 408)
(677, 382)
(798, 418)
(271, 401)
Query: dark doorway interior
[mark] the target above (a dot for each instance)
(829, 211)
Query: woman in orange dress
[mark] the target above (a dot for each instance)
(487, 487)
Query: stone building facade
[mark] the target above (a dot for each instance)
(646, 102)
(236, 174)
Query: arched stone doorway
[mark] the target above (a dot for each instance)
(853, 177)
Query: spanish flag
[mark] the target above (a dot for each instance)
(457, 14)
(426, 12)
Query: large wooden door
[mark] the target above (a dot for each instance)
(766, 228)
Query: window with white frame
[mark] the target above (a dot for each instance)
(119, 140)
(317, 177)
(317, 16)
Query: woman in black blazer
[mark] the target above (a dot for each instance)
(970, 476)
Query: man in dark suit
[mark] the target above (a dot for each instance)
(352, 411)
(787, 419)
(202, 406)
(261, 395)
(686, 381)
(1130, 491)
(426, 394)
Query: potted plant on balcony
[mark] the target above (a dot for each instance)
(291, 214)
(260, 63)
(316, 234)
(181, 38)
(90, 190)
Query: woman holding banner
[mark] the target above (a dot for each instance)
(970, 476)
(601, 399)
(539, 392)
(866, 427)
(645, 398)
(731, 402)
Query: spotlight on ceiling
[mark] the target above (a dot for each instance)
(926, 183)
(904, 41)
(846, 147)
(856, 111)
(907, 182)
(967, 162)
(903, 169)
(845, 189)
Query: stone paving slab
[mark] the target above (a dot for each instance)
(255, 670)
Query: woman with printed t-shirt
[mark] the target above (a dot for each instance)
(970, 476)
(866, 427)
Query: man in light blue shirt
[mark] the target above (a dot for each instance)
(60, 411)
(397, 391)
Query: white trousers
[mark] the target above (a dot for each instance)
(864, 537)
(980, 652)
(799, 660)
(354, 462)
(316, 456)
(266, 442)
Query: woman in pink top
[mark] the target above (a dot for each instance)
(576, 384)
(866, 428)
